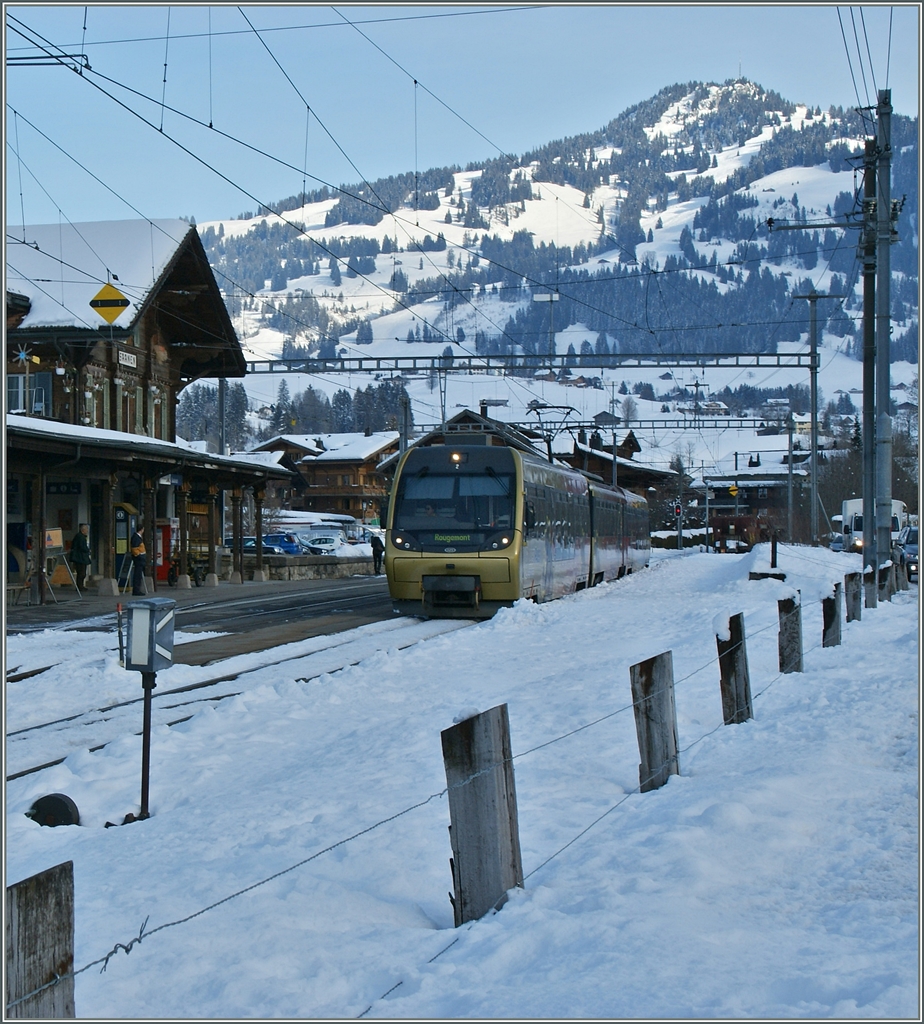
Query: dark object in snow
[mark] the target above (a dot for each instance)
(54, 809)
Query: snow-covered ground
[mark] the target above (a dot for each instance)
(776, 877)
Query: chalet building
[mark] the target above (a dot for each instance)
(106, 324)
(592, 455)
(753, 497)
(338, 473)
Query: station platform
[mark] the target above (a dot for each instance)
(69, 606)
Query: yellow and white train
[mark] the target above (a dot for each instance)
(473, 528)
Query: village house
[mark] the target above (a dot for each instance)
(337, 472)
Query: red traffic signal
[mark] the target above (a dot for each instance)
(678, 511)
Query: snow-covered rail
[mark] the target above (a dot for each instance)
(35, 747)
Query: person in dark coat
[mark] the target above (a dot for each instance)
(139, 561)
(80, 554)
(378, 549)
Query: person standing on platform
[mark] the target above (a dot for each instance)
(139, 561)
(378, 549)
(80, 555)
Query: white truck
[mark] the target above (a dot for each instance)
(852, 522)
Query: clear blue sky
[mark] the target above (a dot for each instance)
(520, 76)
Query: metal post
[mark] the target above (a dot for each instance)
(43, 526)
(222, 390)
(403, 402)
(883, 327)
(706, 485)
(870, 552)
(813, 298)
(258, 498)
(813, 375)
(148, 682)
(789, 536)
(680, 507)
(614, 454)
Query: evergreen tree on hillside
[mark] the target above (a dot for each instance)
(341, 409)
(282, 412)
(238, 434)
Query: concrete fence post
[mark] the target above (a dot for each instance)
(484, 831)
(733, 669)
(655, 720)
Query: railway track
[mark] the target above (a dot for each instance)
(37, 747)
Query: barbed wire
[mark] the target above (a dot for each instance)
(632, 792)
(143, 933)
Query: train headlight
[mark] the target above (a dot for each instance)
(398, 542)
(505, 541)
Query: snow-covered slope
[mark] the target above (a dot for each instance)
(560, 215)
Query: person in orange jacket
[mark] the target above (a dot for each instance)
(139, 560)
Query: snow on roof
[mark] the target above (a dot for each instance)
(620, 461)
(91, 435)
(355, 446)
(306, 441)
(61, 267)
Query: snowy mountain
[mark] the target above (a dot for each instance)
(652, 230)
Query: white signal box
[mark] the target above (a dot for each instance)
(150, 634)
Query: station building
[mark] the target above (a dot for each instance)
(106, 324)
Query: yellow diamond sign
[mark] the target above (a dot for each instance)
(733, 490)
(109, 303)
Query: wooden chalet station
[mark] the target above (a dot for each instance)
(106, 324)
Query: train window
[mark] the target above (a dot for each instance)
(417, 488)
(442, 502)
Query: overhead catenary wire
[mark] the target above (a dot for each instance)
(382, 203)
(860, 108)
(400, 67)
(166, 50)
(504, 333)
(299, 229)
(869, 56)
(316, 25)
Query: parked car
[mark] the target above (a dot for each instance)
(906, 548)
(322, 543)
(836, 542)
(289, 542)
(365, 535)
(250, 546)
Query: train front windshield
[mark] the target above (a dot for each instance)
(465, 506)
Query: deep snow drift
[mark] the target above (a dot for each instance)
(775, 877)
